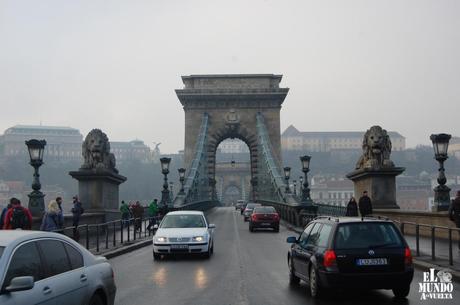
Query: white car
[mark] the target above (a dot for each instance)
(50, 268)
(183, 232)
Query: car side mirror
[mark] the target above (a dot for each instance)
(20, 283)
(291, 240)
(212, 226)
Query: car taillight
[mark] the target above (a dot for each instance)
(254, 217)
(276, 216)
(329, 258)
(407, 256)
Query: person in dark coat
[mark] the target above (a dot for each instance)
(53, 220)
(454, 212)
(352, 208)
(365, 205)
(77, 210)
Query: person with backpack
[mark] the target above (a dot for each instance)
(2, 217)
(53, 220)
(124, 209)
(77, 211)
(17, 217)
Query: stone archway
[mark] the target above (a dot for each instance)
(232, 103)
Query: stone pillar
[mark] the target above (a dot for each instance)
(379, 183)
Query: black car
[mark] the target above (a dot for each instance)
(351, 253)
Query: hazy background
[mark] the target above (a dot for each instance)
(115, 64)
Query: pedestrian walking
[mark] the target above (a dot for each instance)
(17, 217)
(352, 207)
(152, 213)
(365, 205)
(3, 215)
(124, 210)
(77, 211)
(59, 202)
(454, 213)
(53, 220)
(138, 212)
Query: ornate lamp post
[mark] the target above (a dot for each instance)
(36, 201)
(171, 187)
(305, 189)
(287, 175)
(300, 184)
(181, 179)
(165, 171)
(294, 182)
(441, 192)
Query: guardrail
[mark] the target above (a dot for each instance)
(109, 234)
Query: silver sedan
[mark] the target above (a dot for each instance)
(50, 268)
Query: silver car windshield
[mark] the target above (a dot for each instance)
(183, 221)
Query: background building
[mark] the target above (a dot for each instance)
(293, 139)
(62, 143)
(331, 190)
(233, 146)
(130, 151)
(454, 147)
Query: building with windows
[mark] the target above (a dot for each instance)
(233, 146)
(331, 190)
(62, 143)
(132, 150)
(454, 147)
(320, 141)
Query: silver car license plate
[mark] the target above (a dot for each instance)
(372, 261)
(181, 247)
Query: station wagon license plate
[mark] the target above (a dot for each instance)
(181, 247)
(266, 224)
(372, 262)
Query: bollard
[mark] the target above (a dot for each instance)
(87, 237)
(114, 234)
(97, 238)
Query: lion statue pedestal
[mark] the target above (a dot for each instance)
(375, 172)
(98, 179)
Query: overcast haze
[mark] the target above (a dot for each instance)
(114, 65)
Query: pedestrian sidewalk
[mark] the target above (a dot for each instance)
(424, 260)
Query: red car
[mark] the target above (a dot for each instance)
(264, 217)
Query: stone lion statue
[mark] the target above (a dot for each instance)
(376, 149)
(96, 152)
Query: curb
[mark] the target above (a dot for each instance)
(126, 249)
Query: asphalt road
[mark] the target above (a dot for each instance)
(246, 268)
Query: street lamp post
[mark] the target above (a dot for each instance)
(294, 182)
(300, 184)
(287, 174)
(171, 186)
(181, 179)
(305, 189)
(36, 197)
(441, 192)
(165, 171)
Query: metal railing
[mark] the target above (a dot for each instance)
(109, 235)
(432, 239)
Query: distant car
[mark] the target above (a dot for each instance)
(248, 210)
(184, 232)
(50, 268)
(239, 204)
(264, 217)
(353, 254)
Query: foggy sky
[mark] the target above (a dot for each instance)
(114, 65)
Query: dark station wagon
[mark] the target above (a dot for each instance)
(351, 253)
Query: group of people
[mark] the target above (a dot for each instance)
(364, 205)
(15, 216)
(136, 210)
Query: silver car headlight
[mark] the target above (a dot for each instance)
(199, 238)
(161, 239)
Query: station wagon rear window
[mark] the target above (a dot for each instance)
(367, 235)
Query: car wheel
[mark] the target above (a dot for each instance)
(156, 256)
(96, 300)
(208, 253)
(293, 279)
(315, 288)
(401, 292)
(277, 229)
